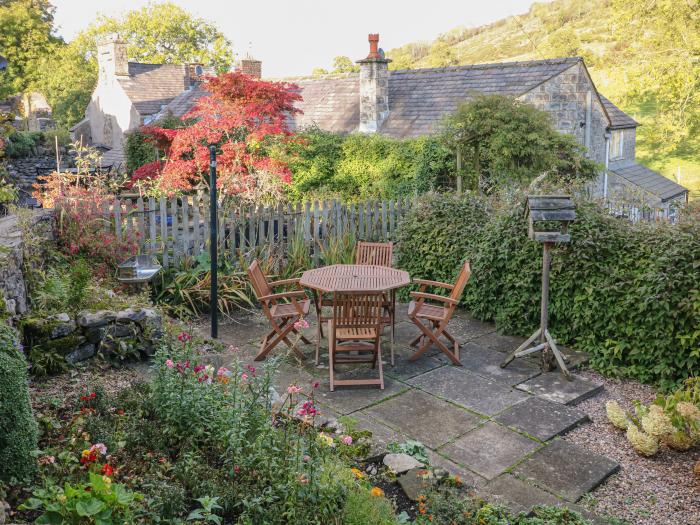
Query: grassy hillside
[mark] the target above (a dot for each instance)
(587, 28)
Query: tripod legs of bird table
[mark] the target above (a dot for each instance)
(547, 346)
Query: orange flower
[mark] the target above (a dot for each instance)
(376, 491)
(357, 472)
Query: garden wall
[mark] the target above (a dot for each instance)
(13, 290)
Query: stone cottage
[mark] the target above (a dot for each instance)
(128, 94)
(411, 103)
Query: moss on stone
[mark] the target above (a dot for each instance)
(62, 345)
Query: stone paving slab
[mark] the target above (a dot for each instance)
(516, 494)
(484, 396)
(487, 363)
(499, 342)
(349, 399)
(465, 328)
(405, 369)
(425, 418)
(382, 435)
(490, 449)
(566, 469)
(541, 418)
(468, 478)
(553, 386)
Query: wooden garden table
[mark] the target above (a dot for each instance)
(353, 278)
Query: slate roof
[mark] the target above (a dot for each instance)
(618, 118)
(182, 103)
(418, 98)
(152, 86)
(649, 180)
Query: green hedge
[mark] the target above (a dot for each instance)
(138, 151)
(628, 294)
(359, 166)
(18, 430)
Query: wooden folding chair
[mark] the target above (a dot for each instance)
(432, 319)
(281, 314)
(356, 326)
(374, 253)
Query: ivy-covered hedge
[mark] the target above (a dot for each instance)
(358, 166)
(138, 151)
(629, 294)
(18, 431)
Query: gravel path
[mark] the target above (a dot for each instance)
(661, 490)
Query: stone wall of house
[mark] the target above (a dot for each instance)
(564, 97)
(13, 290)
(23, 171)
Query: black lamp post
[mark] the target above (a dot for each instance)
(213, 235)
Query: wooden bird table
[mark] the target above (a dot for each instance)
(353, 278)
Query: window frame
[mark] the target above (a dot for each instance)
(619, 152)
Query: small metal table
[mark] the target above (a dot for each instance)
(353, 278)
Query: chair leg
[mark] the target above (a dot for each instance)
(434, 337)
(378, 359)
(331, 363)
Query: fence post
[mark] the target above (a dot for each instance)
(213, 305)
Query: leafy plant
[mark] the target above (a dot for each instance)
(98, 501)
(338, 249)
(412, 448)
(18, 430)
(207, 513)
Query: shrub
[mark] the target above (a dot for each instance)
(625, 293)
(60, 134)
(139, 150)
(361, 166)
(361, 508)
(439, 233)
(22, 143)
(18, 430)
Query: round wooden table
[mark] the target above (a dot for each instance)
(353, 278)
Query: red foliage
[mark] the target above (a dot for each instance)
(81, 229)
(243, 116)
(146, 173)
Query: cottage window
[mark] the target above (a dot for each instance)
(616, 145)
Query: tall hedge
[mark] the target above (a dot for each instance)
(358, 166)
(628, 294)
(18, 430)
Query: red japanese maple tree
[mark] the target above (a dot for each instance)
(245, 118)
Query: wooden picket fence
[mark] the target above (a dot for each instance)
(178, 227)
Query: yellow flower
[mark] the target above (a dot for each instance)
(85, 453)
(326, 438)
(376, 491)
(107, 479)
(616, 414)
(642, 443)
(357, 472)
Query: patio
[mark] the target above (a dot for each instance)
(498, 429)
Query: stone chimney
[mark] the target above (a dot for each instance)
(195, 74)
(374, 87)
(111, 58)
(251, 67)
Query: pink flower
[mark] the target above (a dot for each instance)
(169, 363)
(234, 349)
(184, 337)
(293, 389)
(346, 440)
(244, 376)
(99, 447)
(222, 371)
(307, 409)
(306, 458)
(198, 369)
(301, 324)
(315, 384)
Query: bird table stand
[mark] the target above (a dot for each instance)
(544, 213)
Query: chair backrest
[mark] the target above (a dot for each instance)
(357, 310)
(461, 281)
(374, 253)
(258, 280)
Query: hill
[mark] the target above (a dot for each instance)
(629, 51)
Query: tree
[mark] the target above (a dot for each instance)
(504, 141)
(442, 54)
(343, 64)
(662, 58)
(163, 34)
(246, 118)
(67, 80)
(26, 28)
(563, 43)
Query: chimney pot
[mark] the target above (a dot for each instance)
(374, 46)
